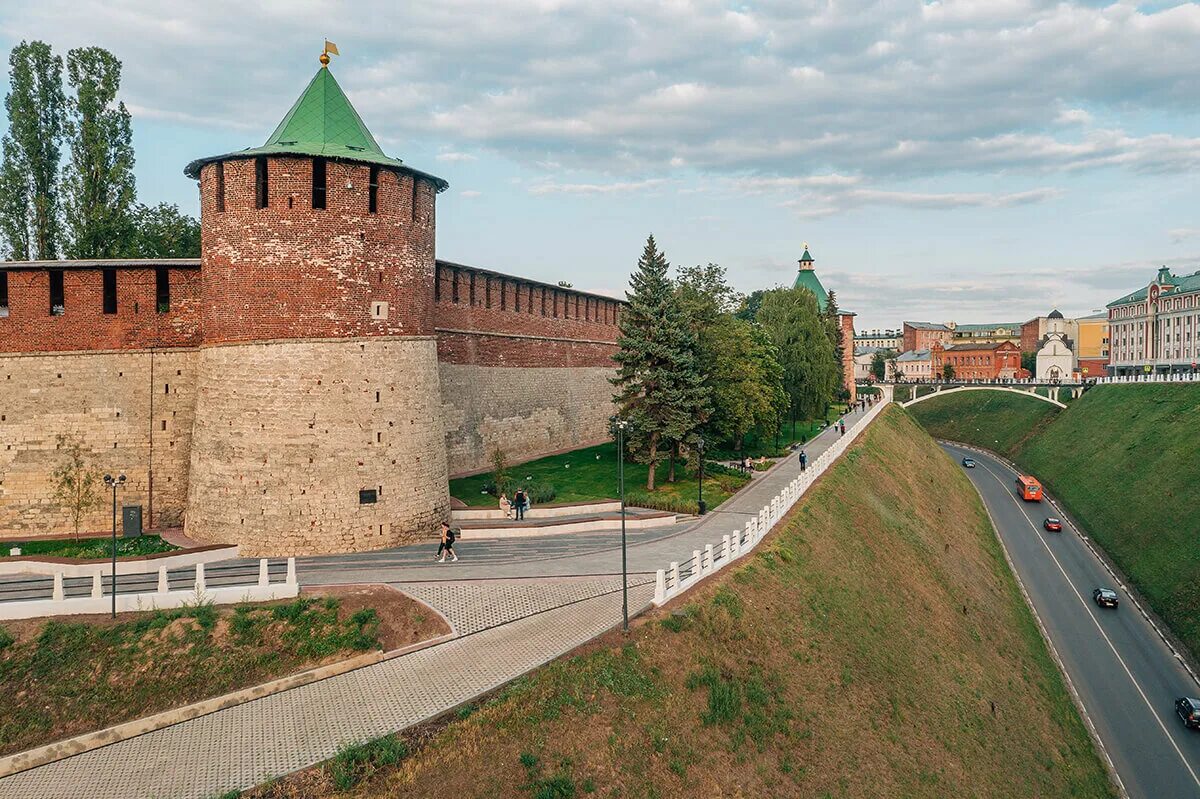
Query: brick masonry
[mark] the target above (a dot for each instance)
(292, 431)
(133, 412)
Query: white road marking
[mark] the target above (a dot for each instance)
(1095, 621)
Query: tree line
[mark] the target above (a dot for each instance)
(697, 361)
(86, 207)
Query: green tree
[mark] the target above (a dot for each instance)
(29, 175)
(163, 231)
(76, 484)
(657, 377)
(894, 365)
(1029, 361)
(99, 183)
(745, 380)
(948, 371)
(793, 322)
(879, 363)
(749, 303)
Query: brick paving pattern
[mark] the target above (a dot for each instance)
(250, 743)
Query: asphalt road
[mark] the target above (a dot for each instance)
(1125, 675)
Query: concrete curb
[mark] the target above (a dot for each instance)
(1062, 669)
(60, 750)
(1122, 583)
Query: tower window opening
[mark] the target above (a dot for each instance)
(3, 293)
(319, 183)
(110, 291)
(373, 191)
(261, 186)
(57, 299)
(220, 186)
(162, 289)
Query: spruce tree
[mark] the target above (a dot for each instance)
(29, 176)
(659, 385)
(833, 325)
(99, 182)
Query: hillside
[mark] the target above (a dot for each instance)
(875, 645)
(997, 420)
(1123, 461)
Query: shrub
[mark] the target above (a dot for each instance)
(644, 499)
(355, 763)
(6, 639)
(540, 493)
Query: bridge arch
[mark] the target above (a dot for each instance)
(955, 389)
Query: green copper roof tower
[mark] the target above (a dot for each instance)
(806, 278)
(322, 122)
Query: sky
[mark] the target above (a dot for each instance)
(966, 160)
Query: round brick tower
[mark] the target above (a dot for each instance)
(318, 424)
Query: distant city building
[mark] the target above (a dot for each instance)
(1155, 329)
(1033, 332)
(863, 358)
(1092, 345)
(984, 361)
(882, 339)
(914, 365)
(923, 335)
(806, 278)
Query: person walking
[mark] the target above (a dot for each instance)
(843, 427)
(446, 547)
(520, 500)
(803, 460)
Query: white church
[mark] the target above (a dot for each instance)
(1055, 359)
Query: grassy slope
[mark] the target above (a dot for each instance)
(90, 547)
(836, 661)
(1123, 460)
(996, 420)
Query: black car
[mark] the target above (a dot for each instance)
(968, 462)
(1105, 597)
(1189, 710)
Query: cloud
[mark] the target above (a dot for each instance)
(455, 158)
(1179, 234)
(596, 188)
(470, 194)
(880, 89)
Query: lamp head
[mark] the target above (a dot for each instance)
(121, 480)
(108, 479)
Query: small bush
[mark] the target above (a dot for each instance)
(644, 499)
(6, 639)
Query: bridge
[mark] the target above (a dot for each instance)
(1028, 389)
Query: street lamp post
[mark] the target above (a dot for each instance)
(624, 554)
(700, 487)
(111, 483)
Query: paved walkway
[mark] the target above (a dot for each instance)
(514, 604)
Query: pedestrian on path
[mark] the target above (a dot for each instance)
(843, 427)
(506, 505)
(520, 502)
(803, 460)
(447, 545)
(840, 424)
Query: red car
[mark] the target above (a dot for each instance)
(1053, 525)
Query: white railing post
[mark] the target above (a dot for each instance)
(726, 553)
(163, 585)
(697, 564)
(660, 587)
(291, 571)
(97, 585)
(751, 535)
(264, 576)
(735, 546)
(58, 594)
(200, 578)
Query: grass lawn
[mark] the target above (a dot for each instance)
(1123, 461)
(590, 473)
(91, 547)
(63, 677)
(786, 675)
(995, 420)
(754, 446)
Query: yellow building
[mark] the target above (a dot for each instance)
(1092, 341)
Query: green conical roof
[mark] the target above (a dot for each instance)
(807, 279)
(322, 122)
(806, 258)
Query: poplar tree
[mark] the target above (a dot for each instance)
(99, 180)
(793, 322)
(29, 174)
(659, 386)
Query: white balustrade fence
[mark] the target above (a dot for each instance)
(1178, 377)
(680, 577)
(220, 585)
